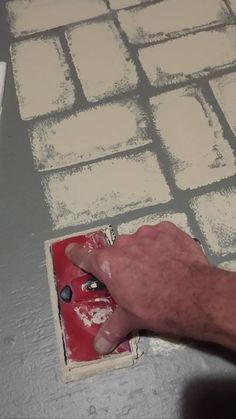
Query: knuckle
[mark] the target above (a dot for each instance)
(144, 230)
(166, 227)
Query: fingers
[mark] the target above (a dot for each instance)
(93, 261)
(114, 330)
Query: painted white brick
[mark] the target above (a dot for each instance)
(105, 189)
(190, 56)
(216, 215)
(41, 76)
(180, 219)
(120, 4)
(171, 18)
(87, 135)
(224, 89)
(101, 59)
(192, 135)
(230, 265)
(233, 5)
(27, 16)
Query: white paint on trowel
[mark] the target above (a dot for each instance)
(94, 315)
(110, 187)
(3, 70)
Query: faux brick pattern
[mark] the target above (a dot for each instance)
(224, 89)
(120, 4)
(215, 212)
(42, 77)
(194, 139)
(103, 66)
(180, 219)
(110, 187)
(171, 18)
(190, 56)
(31, 16)
(94, 133)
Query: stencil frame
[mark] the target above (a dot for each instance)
(79, 370)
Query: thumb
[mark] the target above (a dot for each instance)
(112, 332)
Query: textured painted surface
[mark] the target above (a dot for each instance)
(189, 57)
(170, 18)
(157, 386)
(48, 69)
(27, 16)
(102, 72)
(98, 132)
(224, 89)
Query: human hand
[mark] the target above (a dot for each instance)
(157, 276)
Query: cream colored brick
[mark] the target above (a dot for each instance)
(27, 16)
(170, 18)
(101, 59)
(190, 56)
(230, 265)
(224, 89)
(192, 135)
(105, 189)
(88, 135)
(179, 219)
(216, 215)
(232, 4)
(41, 76)
(120, 4)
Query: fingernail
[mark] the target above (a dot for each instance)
(69, 249)
(103, 346)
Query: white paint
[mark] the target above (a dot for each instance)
(104, 66)
(199, 153)
(171, 18)
(190, 56)
(87, 135)
(233, 5)
(216, 215)
(93, 315)
(224, 89)
(180, 219)
(106, 268)
(3, 70)
(230, 265)
(105, 189)
(120, 4)
(161, 346)
(41, 76)
(101, 299)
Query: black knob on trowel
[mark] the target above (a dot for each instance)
(66, 294)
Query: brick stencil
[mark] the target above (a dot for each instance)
(190, 56)
(180, 219)
(104, 66)
(194, 139)
(28, 17)
(216, 215)
(224, 89)
(105, 189)
(42, 77)
(88, 135)
(171, 18)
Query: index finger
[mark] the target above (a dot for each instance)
(92, 261)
